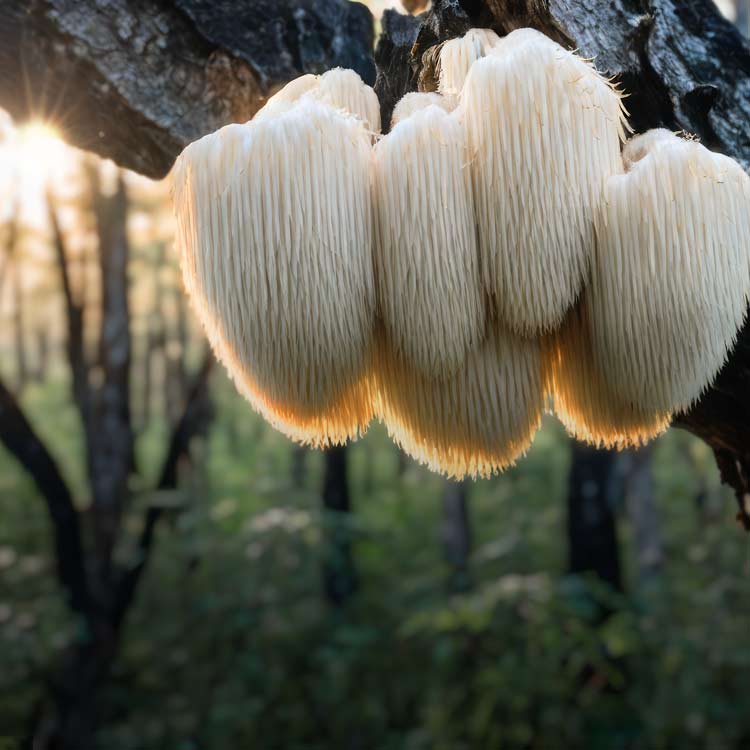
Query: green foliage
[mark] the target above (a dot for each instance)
(231, 645)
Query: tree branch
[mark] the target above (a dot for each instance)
(20, 439)
(137, 80)
(193, 423)
(74, 321)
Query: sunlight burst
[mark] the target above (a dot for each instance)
(39, 149)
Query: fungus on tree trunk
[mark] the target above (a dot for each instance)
(671, 278)
(544, 133)
(275, 234)
(426, 262)
(476, 422)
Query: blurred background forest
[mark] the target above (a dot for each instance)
(176, 575)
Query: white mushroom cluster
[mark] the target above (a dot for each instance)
(497, 251)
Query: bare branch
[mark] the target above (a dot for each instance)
(20, 439)
(193, 423)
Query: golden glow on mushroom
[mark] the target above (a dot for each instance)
(544, 131)
(426, 261)
(583, 399)
(670, 285)
(477, 422)
(275, 237)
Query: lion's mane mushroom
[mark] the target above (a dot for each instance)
(458, 55)
(340, 88)
(427, 266)
(544, 132)
(275, 235)
(670, 283)
(412, 102)
(581, 394)
(476, 422)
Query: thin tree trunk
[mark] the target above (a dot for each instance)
(339, 572)
(299, 465)
(592, 527)
(111, 459)
(19, 332)
(455, 532)
(643, 514)
(42, 355)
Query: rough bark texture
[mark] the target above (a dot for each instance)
(135, 80)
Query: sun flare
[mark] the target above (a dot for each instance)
(39, 149)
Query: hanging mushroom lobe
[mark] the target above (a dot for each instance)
(544, 131)
(458, 55)
(476, 422)
(493, 250)
(275, 235)
(671, 277)
(583, 398)
(426, 262)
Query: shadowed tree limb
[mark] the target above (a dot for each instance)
(192, 423)
(20, 439)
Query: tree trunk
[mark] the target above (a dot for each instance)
(643, 514)
(19, 328)
(592, 526)
(299, 465)
(455, 532)
(339, 572)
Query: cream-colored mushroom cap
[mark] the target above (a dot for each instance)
(344, 88)
(670, 285)
(340, 88)
(475, 423)
(427, 266)
(458, 55)
(544, 132)
(582, 397)
(416, 100)
(275, 237)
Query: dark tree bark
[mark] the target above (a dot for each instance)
(137, 80)
(592, 525)
(339, 572)
(19, 437)
(110, 429)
